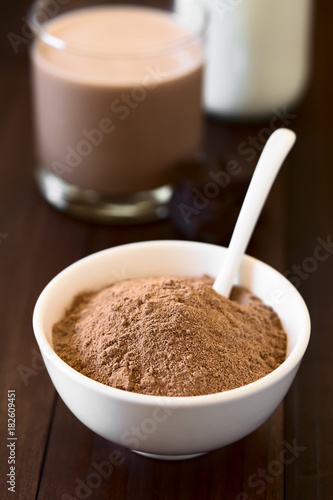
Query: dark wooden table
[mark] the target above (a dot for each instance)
(54, 451)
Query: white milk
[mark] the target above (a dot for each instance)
(257, 55)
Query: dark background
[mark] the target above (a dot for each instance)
(53, 448)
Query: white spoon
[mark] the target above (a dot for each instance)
(273, 155)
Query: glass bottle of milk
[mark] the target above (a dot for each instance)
(258, 55)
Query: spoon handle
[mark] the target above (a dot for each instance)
(275, 151)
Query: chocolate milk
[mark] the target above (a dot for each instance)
(119, 106)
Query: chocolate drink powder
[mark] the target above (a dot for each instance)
(170, 337)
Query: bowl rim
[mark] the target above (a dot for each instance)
(290, 363)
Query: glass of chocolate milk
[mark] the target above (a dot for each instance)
(117, 104)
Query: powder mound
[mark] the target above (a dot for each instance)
(170, 337)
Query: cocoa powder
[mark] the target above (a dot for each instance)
(170, 337)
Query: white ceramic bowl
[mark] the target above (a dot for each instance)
(170, 427)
